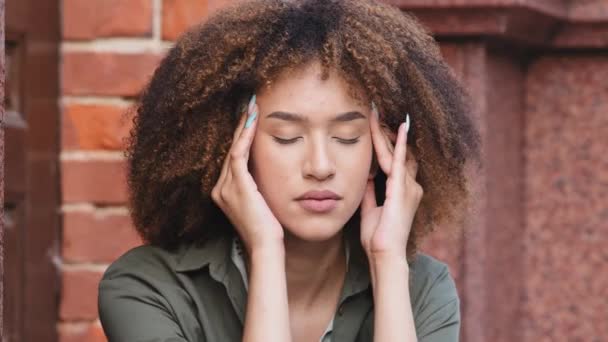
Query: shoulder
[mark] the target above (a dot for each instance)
(140, 297)
(434, 296)
(431, 276)
(146, 261)
(141, 280)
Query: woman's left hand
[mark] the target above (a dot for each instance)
(385, 229)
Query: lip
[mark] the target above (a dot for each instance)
(319, 206)
(319, 201)
(319, 195)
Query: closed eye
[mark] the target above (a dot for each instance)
(285, 141)
(348, 141)
(291, 141)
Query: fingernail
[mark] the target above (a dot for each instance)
(251, 104)
(251, 118)
(374, 109)
(407, 123)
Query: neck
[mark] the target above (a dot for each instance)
(315, 270)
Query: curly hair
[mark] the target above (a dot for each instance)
(185, 116)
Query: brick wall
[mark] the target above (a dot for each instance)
(109, 49)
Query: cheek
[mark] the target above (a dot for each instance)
(358, 160)
(268, 165)
(355, 168)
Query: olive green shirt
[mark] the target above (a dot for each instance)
(237, 258)
(197, 293)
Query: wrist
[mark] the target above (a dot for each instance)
(388, 259)
(267, 251)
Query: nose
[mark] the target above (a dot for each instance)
(319, 163)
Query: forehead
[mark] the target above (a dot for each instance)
(302, 90)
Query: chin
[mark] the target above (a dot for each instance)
(314, 229)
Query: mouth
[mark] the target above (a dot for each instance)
(319, 205)
(319, 201)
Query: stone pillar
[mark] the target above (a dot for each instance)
(530, 265)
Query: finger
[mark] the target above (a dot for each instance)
(369, 197)
(239, 128)
(243, 120)
(398, 165)
(253, 128)
(243, 145)
(224, 173)
(412, 167)
(383, 152)
(240, 149)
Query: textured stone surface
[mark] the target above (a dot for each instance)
(504, 184)
(491, 246)
(558, 23)
(588, 10)
(466, 254)
(566, 264)
(554, 7)
(585, 35)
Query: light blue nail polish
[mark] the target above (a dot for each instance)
(251, 118)
(251, 104)
(407, 123)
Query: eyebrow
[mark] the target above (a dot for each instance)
(295, 117)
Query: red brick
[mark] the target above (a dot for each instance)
(89, 237)
(95, 127)
(95, 334)
(81, 332)
(89, 19)
(79, 295)
(178, 15)
(106, 73)
(97, 181)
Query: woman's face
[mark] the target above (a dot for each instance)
(311, 135)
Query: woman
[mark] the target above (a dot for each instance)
(305, 225)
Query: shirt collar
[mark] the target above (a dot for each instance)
(195, 256)
(217, 254)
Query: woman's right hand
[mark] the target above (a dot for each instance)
(236, 192)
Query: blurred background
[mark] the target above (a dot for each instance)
(532, 264)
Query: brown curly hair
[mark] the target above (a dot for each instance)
(185, 117)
